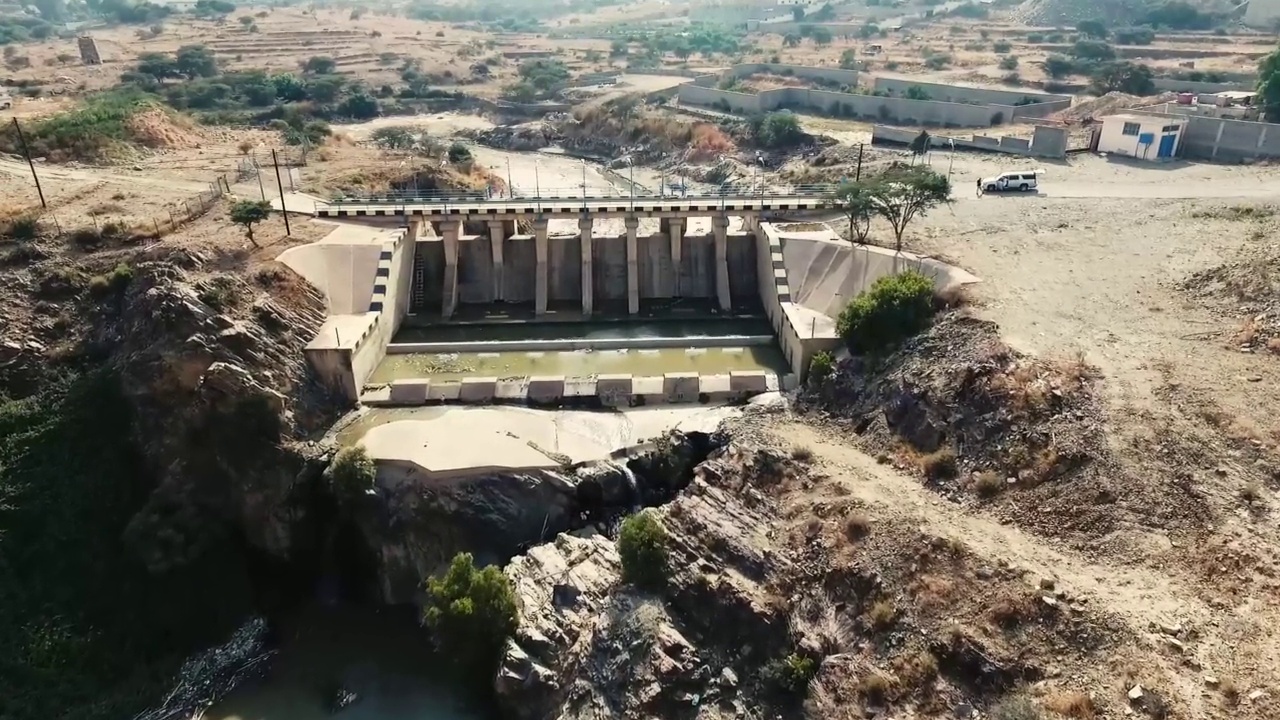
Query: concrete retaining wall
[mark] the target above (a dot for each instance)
(1045, 103)
(798, 344)
(1047, 142)
(597, 391)
(348, 347)
(807, 72)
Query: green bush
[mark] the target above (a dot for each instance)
(642, 546)
(791, 674)
(23, 227)
(821, 365)
(471, 613)
(112, 283)
(1001, 47)
(459, 153)
(893, 309)
(351, 473)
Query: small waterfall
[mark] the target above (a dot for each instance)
(630, 478)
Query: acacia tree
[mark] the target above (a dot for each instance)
(249, 212)
(854, 198)
(901, 193)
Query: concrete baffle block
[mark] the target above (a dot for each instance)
(449, 234)
(614, 390)
(680, 387)
(540, 279)
(648, 389)
(478, 390)
(546, 390)
(748, 382)
(579, 390)
(445, 392)
(714, 388)
(410, 392)
(633, 265)
(512, 391)
(720, 230)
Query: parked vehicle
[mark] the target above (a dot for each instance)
(1020, 180)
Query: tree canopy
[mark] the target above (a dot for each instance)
(902, 193)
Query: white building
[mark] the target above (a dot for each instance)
(1145, 137)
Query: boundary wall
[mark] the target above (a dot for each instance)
(959, 107)
(1045, 103)
(1223, 140)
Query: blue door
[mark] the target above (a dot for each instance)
(1166, 146)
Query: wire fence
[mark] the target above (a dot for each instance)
(172, 216)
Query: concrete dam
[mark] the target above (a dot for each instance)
(581, 302)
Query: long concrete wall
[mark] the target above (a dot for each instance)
(1045, 103)
(884, 109)
(1194, 86)
(798, 340)
(821, 74)
(1046, 142)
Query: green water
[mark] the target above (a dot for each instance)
(381, 654)
(578, 363)
(580, 330)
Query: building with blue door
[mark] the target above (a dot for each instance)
(1144, 137)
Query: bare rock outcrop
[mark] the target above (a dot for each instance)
(591, 646)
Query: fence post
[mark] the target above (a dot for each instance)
(156, 223)
(172, 223)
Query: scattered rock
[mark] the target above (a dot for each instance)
(1046, 584)
(1135, 693)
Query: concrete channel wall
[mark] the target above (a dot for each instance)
(1044, 103)
(799, 343)
(349, 347)
(885, 109)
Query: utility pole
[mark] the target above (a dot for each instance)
(284, 211)
(27, 153)
(511, 188)
(258, 170)
(952, 159)
(857, 176)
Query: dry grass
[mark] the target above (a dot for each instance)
(1251, 492)
(708, 143)
(939, 464)
(1230, 692)
(1071, 704)
(1247, 333)
(856, 525)
(799, 453)
(818, 619)
(952, 296)
(882, 615)
(932, 592)
(875, 687)
(1274, 345)
(917, 669)
(988, 483)
(1010, 609)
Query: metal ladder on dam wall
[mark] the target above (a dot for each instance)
(418, 296)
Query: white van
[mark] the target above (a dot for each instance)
(1021, 180)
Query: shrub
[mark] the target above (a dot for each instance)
(988, 484)
(471, 613)
(1001, 47)
(220, 293)
(1009, 62)
(459, 153)
(791, 674)
(892, 310)
(112, 283)
(875, 687)
(351, 473)
(939, 464)
(857, 526)
(1035, 38)
(821, 365)
(1016, 707)
(1072, 704)
(938, 61)
(23, 227)
(642, 546)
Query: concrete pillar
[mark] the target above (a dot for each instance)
(633, 267)
(497, 236)
(449, 232)
(540, 277)
(720, 228)
(674, 228)
(588, 279)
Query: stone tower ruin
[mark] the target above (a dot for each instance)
(89, 51)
